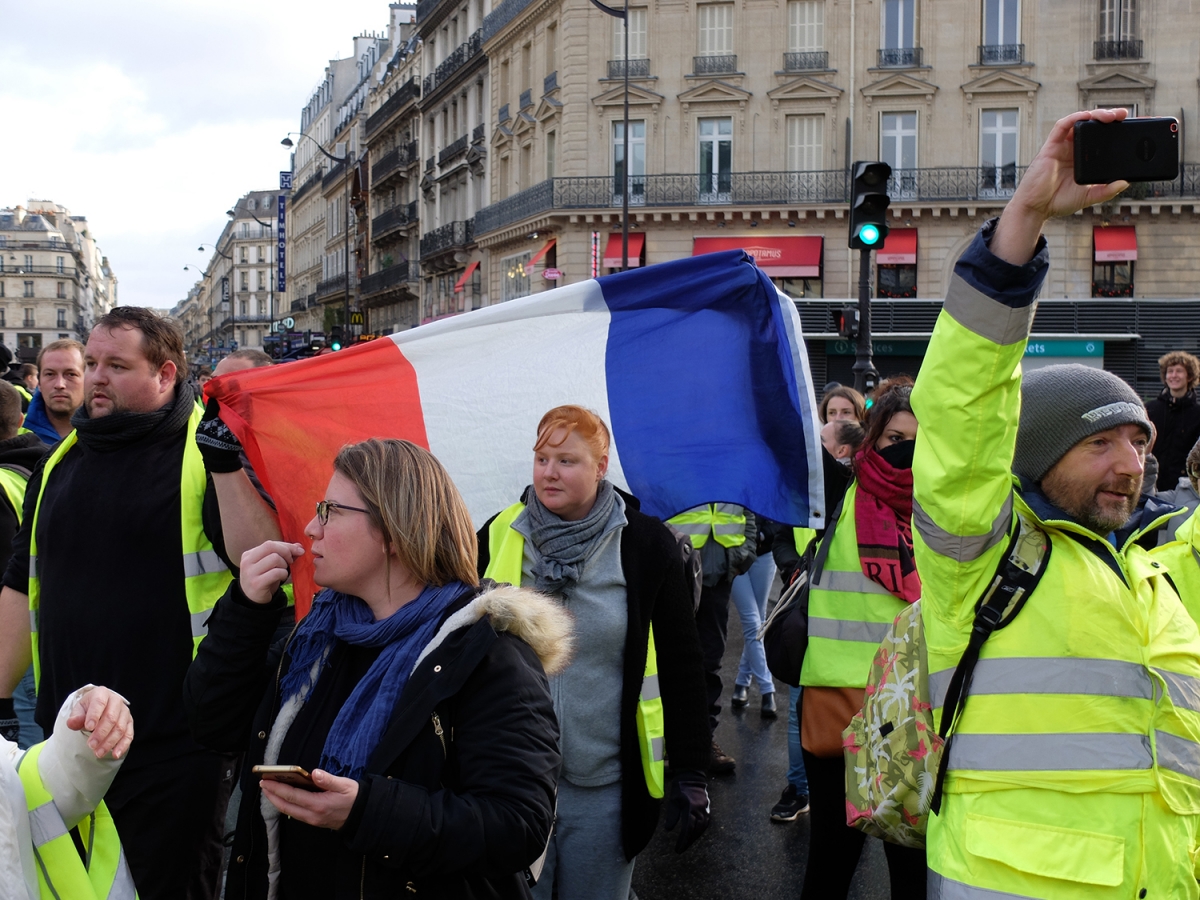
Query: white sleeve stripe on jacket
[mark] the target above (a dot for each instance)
(962, 548)
(988, 318)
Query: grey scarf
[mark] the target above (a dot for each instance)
(562, 547)
(120, 429)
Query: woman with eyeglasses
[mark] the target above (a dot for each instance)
(417, 700)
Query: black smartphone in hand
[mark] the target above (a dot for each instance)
(1144, 149)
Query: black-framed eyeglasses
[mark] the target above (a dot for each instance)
(324, 506)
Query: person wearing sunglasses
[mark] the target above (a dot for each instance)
(415, 697)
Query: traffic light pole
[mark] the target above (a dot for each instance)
(865, 374)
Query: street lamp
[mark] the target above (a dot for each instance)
(266, 225)
(624, 15)
(287, 142)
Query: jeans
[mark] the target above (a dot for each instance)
(750, 591)
(796, 775)
(586, 856)
(25, 701)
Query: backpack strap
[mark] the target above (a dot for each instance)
(826, 539)
(1018, 574)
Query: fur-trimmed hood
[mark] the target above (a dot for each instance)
(538, 620)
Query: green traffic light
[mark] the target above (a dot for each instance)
(337, 346)
(869, 234)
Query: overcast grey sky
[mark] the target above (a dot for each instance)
(152, 118)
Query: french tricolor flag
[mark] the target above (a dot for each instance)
(698, 366)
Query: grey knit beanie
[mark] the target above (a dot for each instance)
(1061, 405)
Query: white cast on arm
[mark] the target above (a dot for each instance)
(70, 771)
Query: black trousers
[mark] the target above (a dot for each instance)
(166, 814)
(712, 622)
(834, 847)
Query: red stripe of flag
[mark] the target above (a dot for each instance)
(294, 417)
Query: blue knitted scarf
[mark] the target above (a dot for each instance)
(364, 717)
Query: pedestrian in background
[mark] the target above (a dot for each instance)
(1176, 416)
(415, 698)
(60, 390)
(868, 577)
(842, 402)
(635, 681)
(749, 594)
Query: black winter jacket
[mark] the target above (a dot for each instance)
(1177, 421)
(455, 815)
(657, 592)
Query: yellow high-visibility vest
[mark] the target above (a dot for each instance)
(206, 576)
(506, 552)
(726, 522)
(62, 873)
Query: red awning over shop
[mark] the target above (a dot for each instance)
(899, 248)
(458, 285)
(537, 256)
(612, 250)
(779, 257)
(1115, 243)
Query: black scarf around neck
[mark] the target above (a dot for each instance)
(120, 429)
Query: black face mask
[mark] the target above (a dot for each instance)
(899, 455)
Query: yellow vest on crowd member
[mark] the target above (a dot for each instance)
(25, 395)
(13, 484)
(102, 874)
(1074, 769)
(726, 522)
(1182, 558)
(803, 537)
(848, 613)
(506, 554)
(206, 577)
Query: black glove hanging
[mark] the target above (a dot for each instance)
(687, 801)
(219, 446)
(10, 726)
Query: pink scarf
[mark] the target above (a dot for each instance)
(883, 518)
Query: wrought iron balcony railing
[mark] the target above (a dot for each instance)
(478, 133)
(899, 57)
(12, 269)
(638, 68)
(503, 115)
(335, 173)
(714, 65)
(450, 236)
(461, 55)
(805, 61)
(550, 82)
(429, 164)
(246, 319)
(1187, 184)
(1118, 50)
(394, 160)
(453, 151)
(1001, 54)
(408, 92)
(390, 277)
(392, 219)
(334, 285)
(526, 99)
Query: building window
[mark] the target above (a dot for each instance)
(245, 281)
(551, 48)
(806, 25)
(262, 253)
(60, 290)
(513, 276)
(1001, 23)
(1118, 20)
(637, 156)
(505, 178)
(243, 307)
(28, 321)
(716, 30)
(805, 143)
(28, 262)
(637, 36)
(31, 341)
(899, 21)
(898, 148)
(526, 167)
(1112, 279)
(1, 295)
(3, 313)
(716, 159)
(551, 153)
(262, 279)
(62, 319)
(262, 307)
(245, 229)
(526, 67)
(59, 264)
(29, 289)
(898, 282)
(998, 150)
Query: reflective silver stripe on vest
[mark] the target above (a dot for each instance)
(1178, 754)
(656, 749)
(33, 566)
(844, 630)
(990, 319)
(122, 886)
(45, 824)
(1050, 752)
(850, 583)
(734, 528)
(1184, 689)
(939, 887)
(961, 548)
(691, 527)
(1051, 675)
(33, 621)
(650, 689)
(200, 623)
(203, 562)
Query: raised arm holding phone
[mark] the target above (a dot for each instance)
(1074, 767)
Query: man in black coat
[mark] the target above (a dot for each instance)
(1176, 416)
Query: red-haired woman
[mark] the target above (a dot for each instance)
(636, 664)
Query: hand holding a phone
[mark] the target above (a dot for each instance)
(327, 807)
(265, 567)
(1048, 189)
(106, 716)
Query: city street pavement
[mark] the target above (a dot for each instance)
(744, 854)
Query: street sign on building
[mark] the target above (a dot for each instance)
(285, 181)
(281, 235)
(552, 274)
